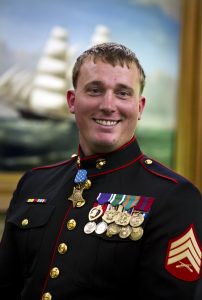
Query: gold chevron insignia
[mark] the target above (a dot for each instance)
(186, 246)
(184, 256)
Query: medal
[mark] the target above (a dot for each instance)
(101, 227)
(109, 215)
(136, 233)
(95, 212)
(123, 218)
(125, 231)
(113, 229)
(82, 183)
(89, 227)
(136, 219)
(76, 197)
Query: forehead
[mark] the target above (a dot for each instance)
(100, 70)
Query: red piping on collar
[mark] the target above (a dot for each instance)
(107, 153)
(119, 168)
(52, 166)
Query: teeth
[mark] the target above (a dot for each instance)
(106, 123)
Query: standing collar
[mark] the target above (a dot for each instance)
(105, 163)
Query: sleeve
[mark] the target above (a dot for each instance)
(171, 259)
(11, 279)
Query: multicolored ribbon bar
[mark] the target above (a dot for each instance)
(104, 197)
(141, 203)
(130, 201)
(117, 199)
(144, 203)
(36, 200)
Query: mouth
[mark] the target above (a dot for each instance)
(108, 123)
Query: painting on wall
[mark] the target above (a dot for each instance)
(39, 42)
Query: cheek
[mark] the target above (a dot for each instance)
(130, 111)
(79, 108)
(81, 111)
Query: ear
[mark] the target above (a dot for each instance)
(71, 100)
(142, 102)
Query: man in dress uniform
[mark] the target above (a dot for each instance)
(110, 221)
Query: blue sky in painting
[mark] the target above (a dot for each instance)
(151, 28)
(148, 29)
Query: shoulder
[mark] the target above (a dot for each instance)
(54, 166)
(171, 185)
(48, 171)
(46, 175)
(158, 169)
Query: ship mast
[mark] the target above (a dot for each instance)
(48, 94)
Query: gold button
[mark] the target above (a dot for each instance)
(78, 161)
(71, 224)
(46, 296)
(148, 161)
(87, 184)
(73, 155)
(54, 272)
(100, 163)
(62, 248)
(25, 222)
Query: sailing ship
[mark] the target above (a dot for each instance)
(41, 93)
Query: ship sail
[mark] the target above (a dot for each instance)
(51, 80)
(41, 93)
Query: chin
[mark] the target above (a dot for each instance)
(106, 145)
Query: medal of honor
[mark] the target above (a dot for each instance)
(82, 183)
(76, 197)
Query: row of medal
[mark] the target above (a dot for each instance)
(115, 221)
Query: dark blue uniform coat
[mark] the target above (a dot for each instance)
(164, 264)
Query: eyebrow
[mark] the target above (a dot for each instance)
(95, 82)
(118, 86)
(124, 86)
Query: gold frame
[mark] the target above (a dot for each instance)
(8, 182)
(188, 154)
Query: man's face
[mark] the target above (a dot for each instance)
(106, 104)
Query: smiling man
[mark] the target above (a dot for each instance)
(110, 220)
(107, 103)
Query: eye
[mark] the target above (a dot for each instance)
(94, 91)
(123, 93)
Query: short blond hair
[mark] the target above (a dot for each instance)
(112, 53)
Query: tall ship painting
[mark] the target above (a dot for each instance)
(36, 127)
(40, 94)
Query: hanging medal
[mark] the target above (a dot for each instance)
(82, 183)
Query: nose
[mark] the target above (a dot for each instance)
(107, 104)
